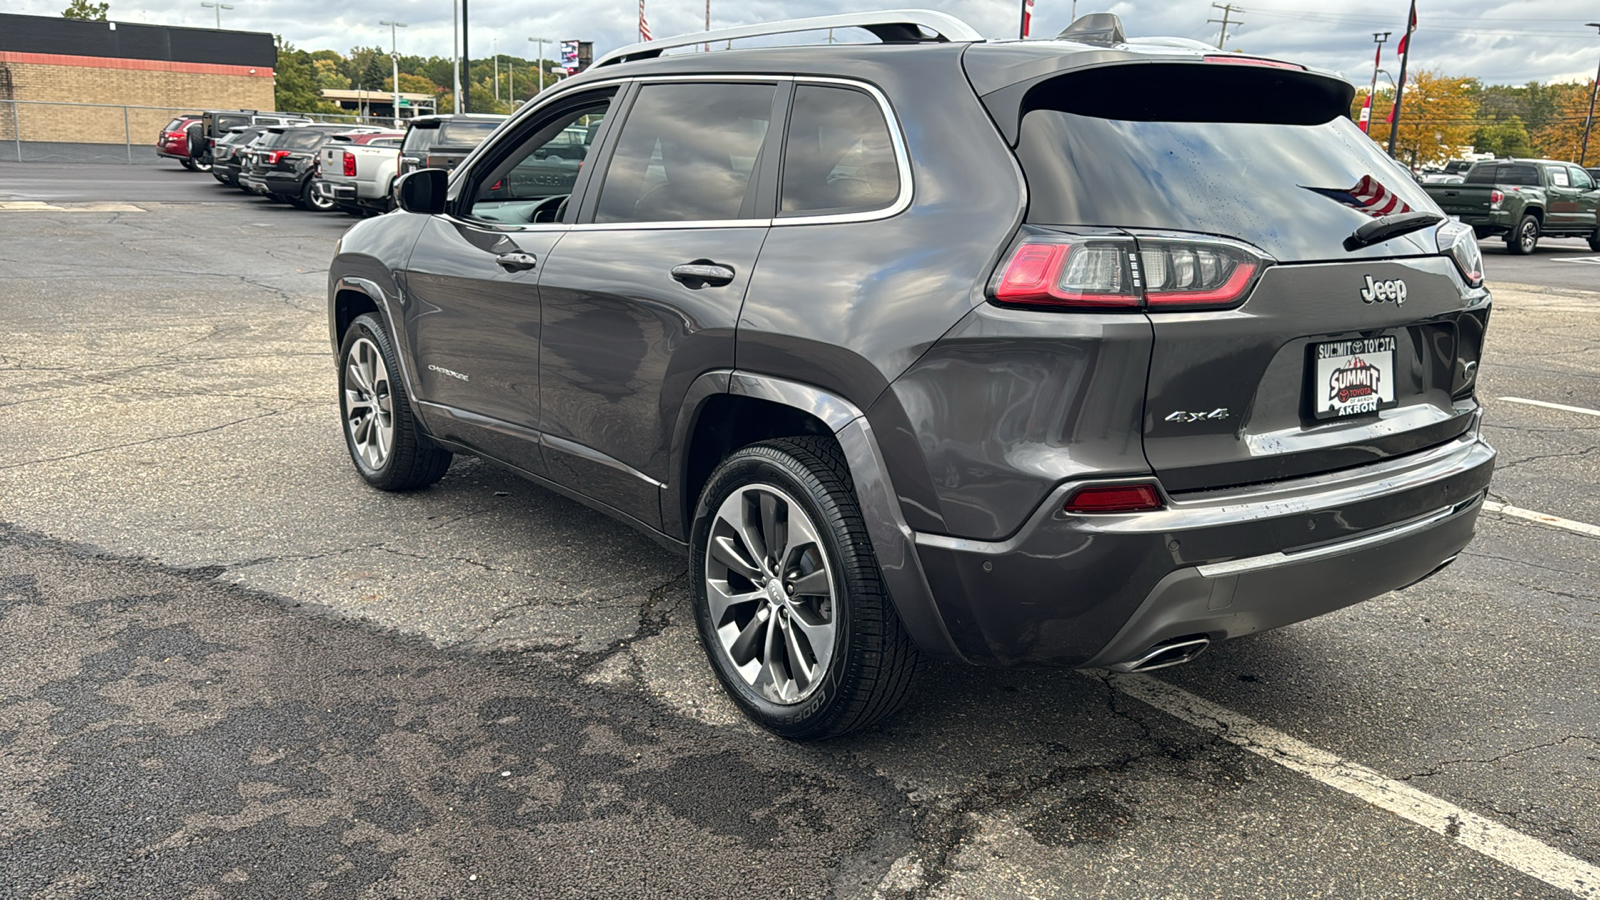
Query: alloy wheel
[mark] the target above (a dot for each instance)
(770, 592)
(368, 405)
(1530, 235)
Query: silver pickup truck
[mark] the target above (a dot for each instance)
(359, 177)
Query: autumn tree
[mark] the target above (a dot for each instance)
(86, 11)
(1562, 136)
(1438, 115)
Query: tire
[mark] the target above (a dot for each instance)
(187, 163)
(759, 633)
(310, 200)
(380, 430)
(1594, 240)
(1525, 238)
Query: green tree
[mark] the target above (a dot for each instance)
(295, 82)
(1504, 138)
(367, 67)
(330, 73)
(87, 11)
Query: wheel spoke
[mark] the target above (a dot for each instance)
(720, 599)
(723, 551)
(358, 375)
(772, 542)
(800, 667)
(801, 538)
(815, 583)
(743, 648)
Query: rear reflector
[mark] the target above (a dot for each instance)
(1115, 498)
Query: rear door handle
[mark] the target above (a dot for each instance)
(516, 262)
(702, 272)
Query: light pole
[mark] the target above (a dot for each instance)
(494, 50)
(219, 7)
(394, 57)
(1583, 155)
(540, 61)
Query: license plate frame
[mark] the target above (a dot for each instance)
(1351, 377)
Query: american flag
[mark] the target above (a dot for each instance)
(644, 26)
(1369, 195)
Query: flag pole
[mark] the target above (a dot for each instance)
(1400, 86)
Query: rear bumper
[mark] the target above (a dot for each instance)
(1103, 589)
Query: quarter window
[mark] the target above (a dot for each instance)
(838, 156)
(687, 153)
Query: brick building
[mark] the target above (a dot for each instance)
(124, 81)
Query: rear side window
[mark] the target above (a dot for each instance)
(223, 123)
(1503, 173)
(464, 134)
(1558, 176)
(838, 156)
(686, 153)
(1294, 190)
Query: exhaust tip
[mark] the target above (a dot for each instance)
(1166, 654)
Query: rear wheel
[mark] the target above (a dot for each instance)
(187, 163)
(1594, 240)
(313, 200)
(791, 607)
(380, 430)
(1525, 238)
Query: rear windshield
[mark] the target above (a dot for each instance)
(1295, 191)
(173, 125)
(419, 139)
(223, 123)
(301, 140)
(464, 134)
(1503, 173)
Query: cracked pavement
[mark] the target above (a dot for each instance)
(232, 670)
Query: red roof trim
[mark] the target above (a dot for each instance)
(140, 65)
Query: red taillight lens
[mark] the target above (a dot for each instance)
(1087, 273)
(1235, 59)
(1114, 498)
(1495, 198)
(349, 164)
(1195, 274)
(276, 156)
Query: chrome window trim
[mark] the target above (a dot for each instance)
(896, 136)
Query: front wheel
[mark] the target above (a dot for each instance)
(1525, 238)
(380, 430)
(790, 605)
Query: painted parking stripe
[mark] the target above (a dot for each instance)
(1586, 260)
(1547, 405)
(1486, 836)
(1542, 518)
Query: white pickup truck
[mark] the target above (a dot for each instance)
(358, 178)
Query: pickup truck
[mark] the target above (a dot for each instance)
(1524, 199)
(357, 176)
(440, 142)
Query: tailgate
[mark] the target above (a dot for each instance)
(1311, 375)
(1462, 199)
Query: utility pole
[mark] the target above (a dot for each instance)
(466, 62)
(455, 53)
(394, 57)
(1228, 10)
(219, 7)
(494, 48)
(1583, 155)
(1377, 64)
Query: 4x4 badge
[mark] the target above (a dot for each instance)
(1182, 416)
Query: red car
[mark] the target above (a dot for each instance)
(173, 142)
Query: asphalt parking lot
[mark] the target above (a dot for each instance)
(232, 670)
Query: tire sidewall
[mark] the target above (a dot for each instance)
(761, 465)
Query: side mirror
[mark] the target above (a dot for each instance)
(423, 191)
(541, 153)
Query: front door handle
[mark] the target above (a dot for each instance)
(702, 272)
(516, 262)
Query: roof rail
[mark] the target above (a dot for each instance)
(894, 25)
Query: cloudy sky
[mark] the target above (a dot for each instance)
(1510, 43)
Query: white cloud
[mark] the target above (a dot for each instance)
(1511, 43)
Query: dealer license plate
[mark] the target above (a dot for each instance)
(1352, 378)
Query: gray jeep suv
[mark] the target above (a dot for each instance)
(1006, 352)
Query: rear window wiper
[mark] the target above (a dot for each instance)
(1385, 227)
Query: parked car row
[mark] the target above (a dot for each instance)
(1524, 200)
(318, 166)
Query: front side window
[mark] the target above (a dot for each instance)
(687, 153)
(1581, 180)
(533, 182)
(837, 156)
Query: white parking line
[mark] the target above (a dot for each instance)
(1587, 260)
(1561, 406)
(1542, 518)
(1486, 836)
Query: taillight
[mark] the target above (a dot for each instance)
(1114, 498)
(1459, 242)
(349, 164)
(1155, 273)
(276, 156)
(1495, 198)
(1084, 273)
(1237, 60)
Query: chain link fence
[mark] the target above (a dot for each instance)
(42, 131)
